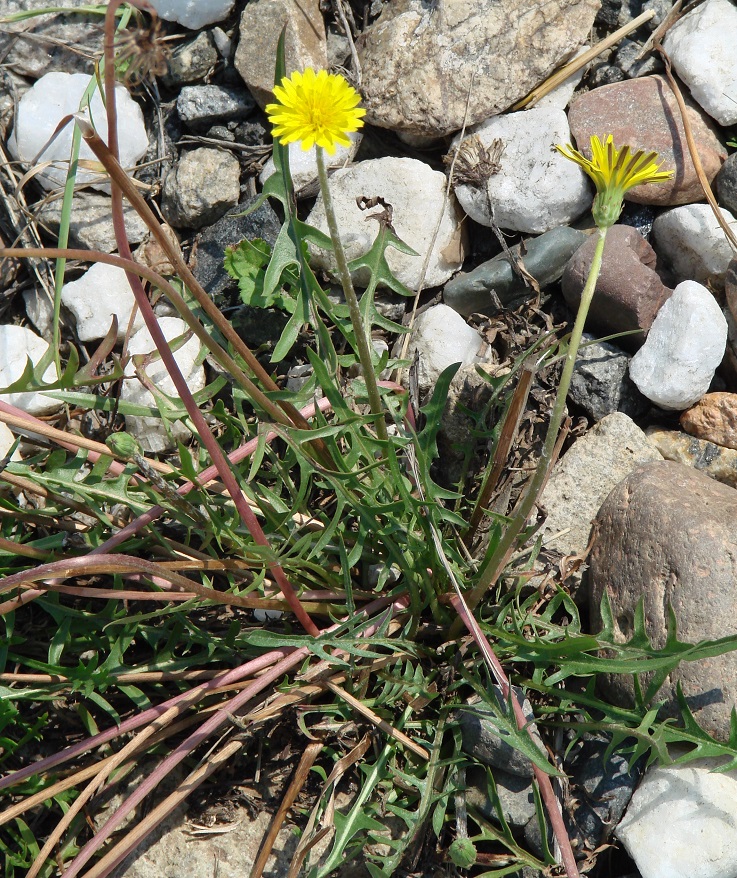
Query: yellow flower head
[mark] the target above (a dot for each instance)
(614, 171)
(315, 108)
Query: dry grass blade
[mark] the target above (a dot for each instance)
(311, 752)
(504, 446)
(121, 850)
(581, 61)
(380, 724)
(308, 840)
(693, 150)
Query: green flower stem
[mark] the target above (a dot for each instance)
(493, 569)
(363, 342)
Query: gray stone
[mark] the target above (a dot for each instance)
(712, 460)
(93, 299)
(600, 383)
(601, 789)
(201, 106)
(626, 60)
(494, 285)
(65, 41)
(726, 184)
(229, 231)
(483, 741)
(419, 59)
(586, 474)
(91, 224)
(515, 796)
(262, 21)
(201, 188)
(665, 536)
(191, 61)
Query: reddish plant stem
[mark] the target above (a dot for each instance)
(543, 780)
(206, 437)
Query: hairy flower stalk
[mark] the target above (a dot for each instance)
(614, 172)
(320, 110)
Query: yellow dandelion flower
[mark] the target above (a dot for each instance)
(615, 171)
(315, 108)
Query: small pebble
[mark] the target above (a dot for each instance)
(42, 108)
(441, 338)
(103, 290)
(494, 285)
(686, 343)
(701, 48)
(528, 187)
(715, 461)
(714, 418)
(203, 186)
(150, 431)
(692, 242)
(643, 114)
(691, 810)
(201, 106)
(193, 14)
(629, 292)
(17, 345)
(404, 183)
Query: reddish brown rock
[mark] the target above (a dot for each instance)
(644, 114)
(628, 294)
(714, 418)
(666, 536)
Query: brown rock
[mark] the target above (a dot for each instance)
(628, 294)
(715, 461)
(714, 418)
(261, 23)
(665, 535)
(644, 114)
(420, 59)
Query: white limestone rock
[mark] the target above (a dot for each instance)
(417, 195)
(7, 440)
(441, 337)
(686, 343)
(55, 96)
(193, 14)
(701, 47)
(150, 431)
(17, 344)
(535, 189)
(682, 822)
(692, 241)
(103, 290)
(303, 163)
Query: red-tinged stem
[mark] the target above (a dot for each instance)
(219, 718)
(543, 781)
(206, 437)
